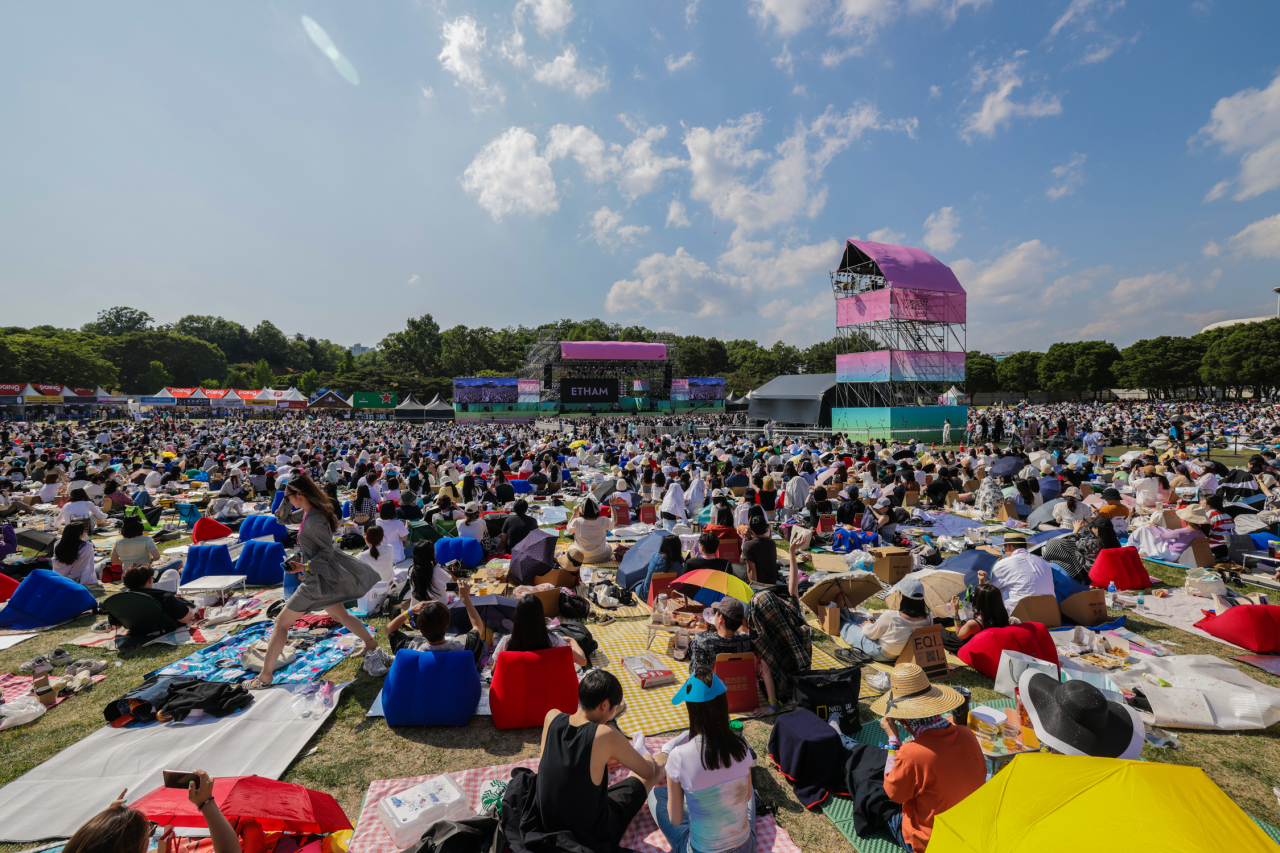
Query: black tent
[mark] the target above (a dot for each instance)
(438, 410)
(805, 399)
(410, 410)
(735, 403)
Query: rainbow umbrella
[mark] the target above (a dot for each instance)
(707, 586)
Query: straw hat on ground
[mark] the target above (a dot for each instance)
(912, 697)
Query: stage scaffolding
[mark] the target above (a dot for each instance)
(544, 362)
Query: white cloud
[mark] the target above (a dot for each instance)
(1137, 300)
(1083, 20)
(800, 323)
(1261, 239)
(860, 20)
(637, 167)
(413, 279)
(998, 107)
(799, 89)
(1211, 250)
(675, 64)
(785, 60)
(887, 236)
(427, 92)
(720, 161)
(1073, 284)
(760, 266)
(940, 234)
(512, 49)
(934, 93)
(607, 229)
(691, 12)
(1068, 177)
(1247, 123)
(678, 283)
(1015, 275)
(677, 216)
(563, 73)
(949, 9)
(788, 17)
(509, 176)
(549, 16)
(1084, 14)
(463, 45)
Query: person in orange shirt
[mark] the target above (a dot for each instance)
(935, 771)
(1115, 507)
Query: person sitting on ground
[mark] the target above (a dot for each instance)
(941, 766)
(709, 545)
(888, 517)
(10, 506)
(395, 531)
(408, 510)
(1115, 508)
(427, 579)
(516, 527)
(80, 508)
(444, 510)
(73, 555)
(1020, 574)
(818, 505)
(759, 555)
(573, 791)
(134, 548)
(1071, 508)
(529, 633)
(588, 529)
(120, 829)
(851, 508)
(363, 509)
(722, 524)
(473, 526)
(668, 558)
(503, 491)
(988, 612)
(377, 556)
(140, 579)
(113, 499)
(782, 640)
(885, 633)
(728, 636)
(1221, 525)
(709, 769)
(431, 619)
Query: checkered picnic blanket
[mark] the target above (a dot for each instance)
(13, 686)
(643, 835)
(183, 636)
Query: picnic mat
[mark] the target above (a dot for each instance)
(14, 686)
(263, 739)
(118, 641)
(1181, 611)
(309, 666)
(640, 608)
(642, 835)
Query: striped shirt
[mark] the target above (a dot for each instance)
(1222, 524)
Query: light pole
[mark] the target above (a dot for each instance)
(1276, 291)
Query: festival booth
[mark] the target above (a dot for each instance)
(111, 404)
(330, 402)
(953, 397)
(162, 398)
(438, 410)
(223, 398)
(40, 401)
(374, 405)
(11, 398)
(79, 401)
(410, 410)
(190, 400)
(290, 400)
(263, 401)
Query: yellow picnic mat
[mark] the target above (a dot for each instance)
(649, 711)
(637, 609)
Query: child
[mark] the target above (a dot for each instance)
(431, 618)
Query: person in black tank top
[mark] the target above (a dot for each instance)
(575, 748)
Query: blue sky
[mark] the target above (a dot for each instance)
(1090, 169)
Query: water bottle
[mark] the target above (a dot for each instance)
(1140, 608)
(1111, 595)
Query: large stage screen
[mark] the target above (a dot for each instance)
(706, 388)
(486, 390)
(588, 390)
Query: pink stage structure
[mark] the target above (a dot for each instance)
(900, 313)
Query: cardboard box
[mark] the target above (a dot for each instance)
(910, 498)
(1039, 608)
(951, 499)
(827, 562)
(1086, 608)
(648, 670)
(925, 649)
(892, 564)
(1008, 511)
(1198, 555)
(550, 599)
(559, 577)
(829, 619)
(1169, 520)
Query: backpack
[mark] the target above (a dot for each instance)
(578, 632)
(479, 834)
(351, 540)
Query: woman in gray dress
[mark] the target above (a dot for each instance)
(329, 576)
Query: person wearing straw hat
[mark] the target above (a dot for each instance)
(708, 769)
(1020, 574)
(941, 766)
(1076, 718)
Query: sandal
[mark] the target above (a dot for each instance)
(256, 683)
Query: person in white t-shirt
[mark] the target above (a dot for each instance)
(473, 526)
(377, 556)
(1020, 574)
(395, 530)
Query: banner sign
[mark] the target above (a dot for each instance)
(900, 365)
(10, 400)
(40, 399)
(375, 400)
(157, 401)
(193, 403)
(271, 403)
(679, 390)
(486, 389)
(588, 390)
(530, 391)
(291, 404)
(227, 402)
(11, 389)
(901, 304)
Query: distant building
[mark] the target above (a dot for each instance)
(999, 356)
(358, 349)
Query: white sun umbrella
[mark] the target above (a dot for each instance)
(940, 586)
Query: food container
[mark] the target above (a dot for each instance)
(410, 813)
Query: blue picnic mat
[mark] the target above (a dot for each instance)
(327, 653)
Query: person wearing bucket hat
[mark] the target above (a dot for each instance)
(709, 770)
(1115, 507)
(1020, 574)
(1075, 718)
(941, 766)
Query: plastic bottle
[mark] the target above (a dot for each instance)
(1141, 607)
(1111, 595)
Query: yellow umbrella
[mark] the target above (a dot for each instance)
(168, 454)
(1068, 803)
(577, 444)
(940, 586)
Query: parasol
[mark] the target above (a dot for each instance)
(707, 586)
(1043, 514)
(276, 806)
(856, 586)
(576, 444)
(497, 611)
(1006, 467)
(940, 586)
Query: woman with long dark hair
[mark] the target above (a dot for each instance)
(426, 579)
(363, 509)
(529, 632)
(988, 612)
(73, 555)
(668, 559)
(709, 771)
(329, 577)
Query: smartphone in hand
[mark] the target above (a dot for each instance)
(179, 778)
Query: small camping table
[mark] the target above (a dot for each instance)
(214, 583)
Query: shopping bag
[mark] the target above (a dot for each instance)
(1013, 664)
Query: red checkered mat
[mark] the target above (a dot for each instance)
(643, 835)
(16, 686)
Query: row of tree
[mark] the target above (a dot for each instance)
(1235, 359)
(123, 349)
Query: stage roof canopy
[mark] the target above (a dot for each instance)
(804, 399)
(613, 350)
(902, 266)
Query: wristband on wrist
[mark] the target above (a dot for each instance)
(200, 807)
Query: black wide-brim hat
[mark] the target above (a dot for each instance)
(1076, 718)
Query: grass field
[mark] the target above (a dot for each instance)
(352, 750)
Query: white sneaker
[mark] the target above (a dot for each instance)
(377, 662)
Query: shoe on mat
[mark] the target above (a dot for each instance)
(93, 667)
(60, 657)
(36, 666)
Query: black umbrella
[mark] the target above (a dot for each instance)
(495, 610)
(1043, 514)
(1007, 467)
(905, 454)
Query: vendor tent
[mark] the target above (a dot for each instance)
(163, 397)
(290, 399)
(736, 403)
(223, 398)
(36, 393)
(805, 399)
(329, 400)
(438, 410)
(953, 397)
(410, 410)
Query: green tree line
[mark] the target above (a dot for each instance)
(1234, 359)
